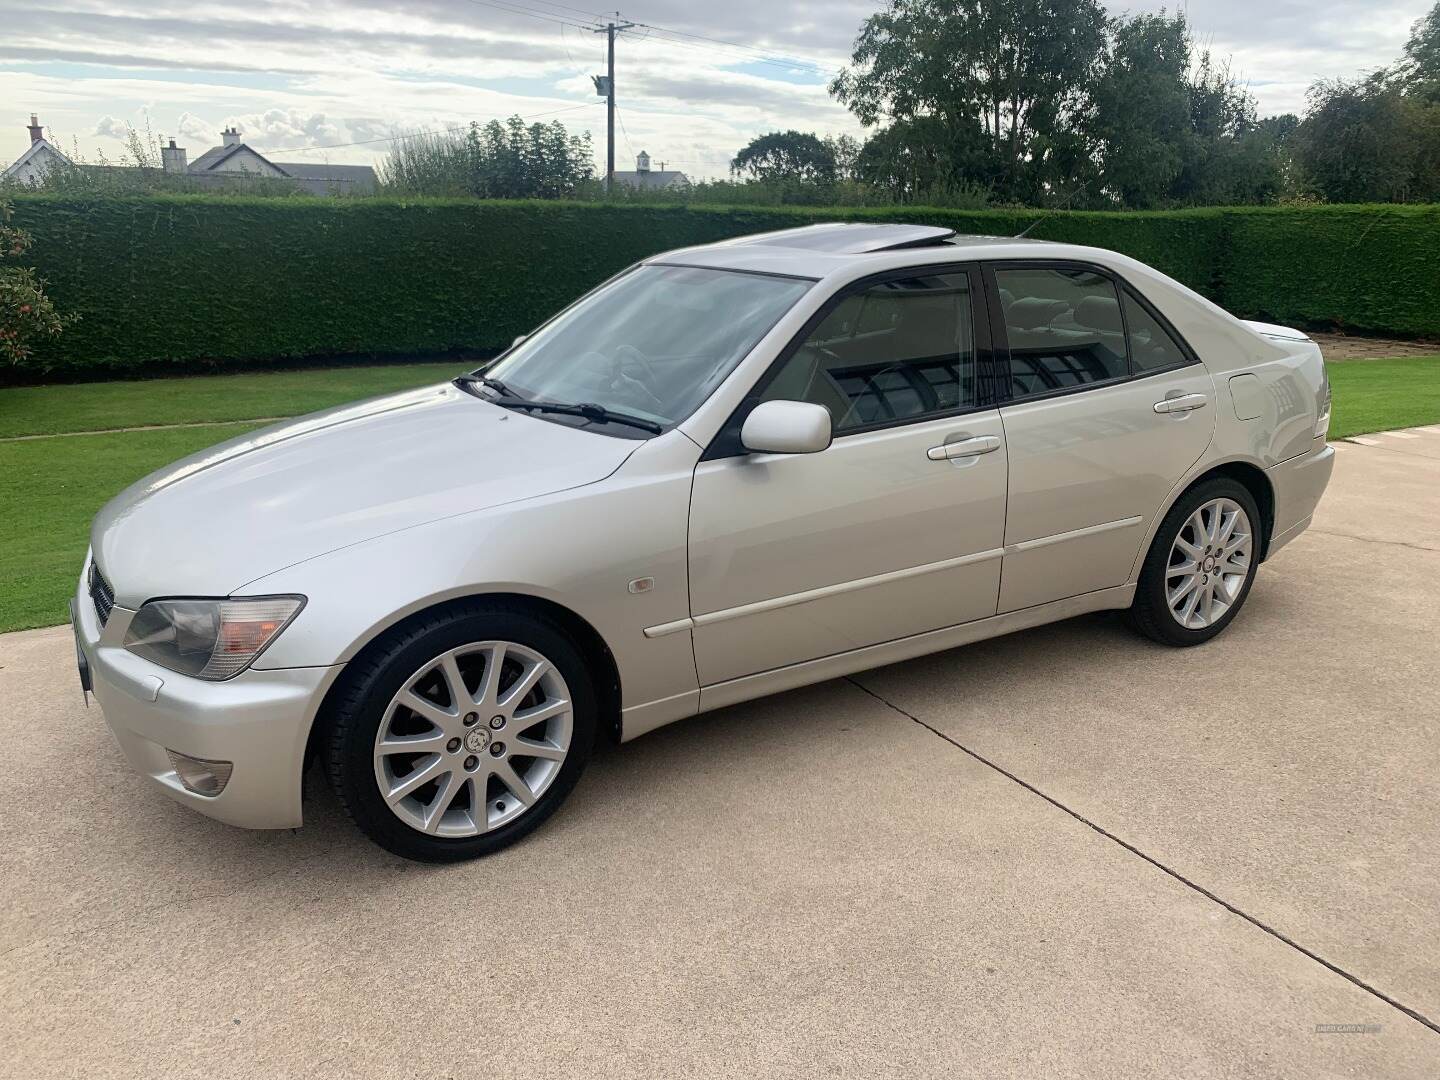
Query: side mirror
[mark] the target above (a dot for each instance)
(786, 427)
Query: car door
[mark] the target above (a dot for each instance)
(893, 530)
(1107, 410)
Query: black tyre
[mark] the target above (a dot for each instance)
(457, 734)
(1200, 566)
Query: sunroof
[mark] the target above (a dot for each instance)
(853, 238)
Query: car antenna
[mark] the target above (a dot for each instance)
(1045, 217)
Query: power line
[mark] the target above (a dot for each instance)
(420, 134)
(759, 54)
(518, 9)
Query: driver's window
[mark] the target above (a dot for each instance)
(901, 350)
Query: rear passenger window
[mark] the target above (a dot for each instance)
(1151, 348)
(901, 350)
(1064, 328)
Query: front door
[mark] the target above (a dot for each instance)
(1110, 409)
(894, 530)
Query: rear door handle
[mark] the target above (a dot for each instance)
(981, 444)
(1187, 403)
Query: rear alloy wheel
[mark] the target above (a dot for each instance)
(463, 734)
(1200, 566)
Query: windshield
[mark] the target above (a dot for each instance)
(653, 343)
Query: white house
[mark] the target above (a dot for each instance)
(229, 163)
(646, 179)
(39, 158)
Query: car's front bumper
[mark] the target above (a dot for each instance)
(259, 720)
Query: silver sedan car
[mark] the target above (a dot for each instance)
(728, 471)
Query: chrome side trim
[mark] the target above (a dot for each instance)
(775, 603)
(718, 695)
(791, 599)
(1073, 534)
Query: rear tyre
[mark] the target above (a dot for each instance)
(459, 735)
(1200, 566)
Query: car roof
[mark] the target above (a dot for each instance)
(851, 249)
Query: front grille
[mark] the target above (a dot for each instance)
(101, 594)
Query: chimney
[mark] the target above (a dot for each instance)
(172, 158)
(642, 162)
(231, 136)
(36, 131)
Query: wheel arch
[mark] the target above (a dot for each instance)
(1245, 473)
(589, 640)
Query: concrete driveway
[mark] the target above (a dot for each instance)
(1063, 853)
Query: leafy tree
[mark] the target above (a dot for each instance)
(493, 161)
(1020, 69)
(786, 156)
(27, 314)
(1366, 142)
(1421, 67)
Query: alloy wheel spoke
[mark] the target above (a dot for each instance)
(460, 699)
(431, 742)
(1216, 535)
(523, 685)
(514, 781)
(489, 693)
(1186, 588)
(529, 748)
(417, 778)
(427, 708)
(448, 788)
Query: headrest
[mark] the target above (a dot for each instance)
(1030, 312)
(1100, 313)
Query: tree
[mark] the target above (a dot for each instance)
(493, 161)
(1357, 142)
(1420, 69)
(786, 156)
(1019, 69)
(27, 314)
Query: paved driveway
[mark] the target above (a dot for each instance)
(1063, 853)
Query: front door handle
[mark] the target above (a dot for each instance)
(1186, 403)
(963, 448)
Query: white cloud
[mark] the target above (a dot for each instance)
(350, 71)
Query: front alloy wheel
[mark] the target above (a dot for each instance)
(473, 739)
(459, 732)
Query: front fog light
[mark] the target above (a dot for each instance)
(203, 777)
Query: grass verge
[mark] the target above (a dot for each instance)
(51, 488)
(51, 410)
(1379, 395)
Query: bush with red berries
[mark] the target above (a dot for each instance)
(26, 313)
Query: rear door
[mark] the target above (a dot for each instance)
(1107, 409)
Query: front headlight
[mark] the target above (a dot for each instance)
(209, 639)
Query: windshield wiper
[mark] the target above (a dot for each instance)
(470, 378)
(588, 409)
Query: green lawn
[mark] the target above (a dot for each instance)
(1380, 395)
(47, 410)
(51, 488)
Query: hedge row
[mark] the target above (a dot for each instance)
(195, 279)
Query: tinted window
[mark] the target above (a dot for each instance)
(1151, 348)
(1064, 329)
(900, 350)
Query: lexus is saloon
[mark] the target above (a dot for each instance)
(728, 471)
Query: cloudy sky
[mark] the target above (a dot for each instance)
(333, 79)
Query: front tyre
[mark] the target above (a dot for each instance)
(457, 736)
(1200, 566)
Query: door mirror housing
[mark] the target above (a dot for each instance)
(786, 427)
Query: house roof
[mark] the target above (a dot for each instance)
(213, 157)
(38, 148)
(651, 179)
(317, 179)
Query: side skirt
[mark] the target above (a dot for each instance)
(639, 720)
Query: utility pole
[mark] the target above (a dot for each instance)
(605, 87)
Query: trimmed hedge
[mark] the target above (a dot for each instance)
(194, 279)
